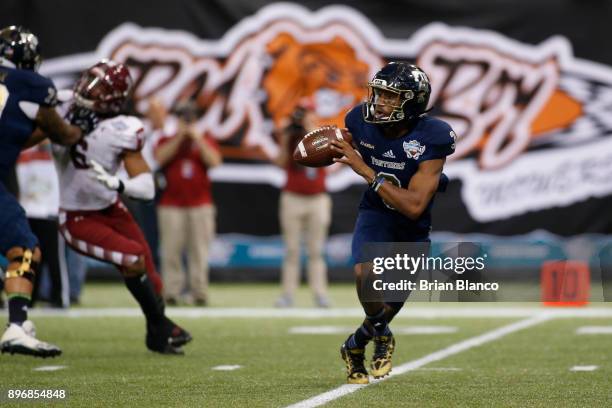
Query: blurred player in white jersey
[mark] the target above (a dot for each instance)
(93, 220)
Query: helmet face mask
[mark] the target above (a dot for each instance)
(20, 47)
(398, 92)
(104, 88)
(386, 104)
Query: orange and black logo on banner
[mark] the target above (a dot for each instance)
(532, 121)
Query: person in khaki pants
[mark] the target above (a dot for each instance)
(185, 211)
(305, 210)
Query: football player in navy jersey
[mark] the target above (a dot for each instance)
(400, 153)
(27, 116)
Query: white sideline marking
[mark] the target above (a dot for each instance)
(594, 330)
(49, 368)
(435, 356)
(228, 367)
(311, 313)
(348, 329)
(584, 368)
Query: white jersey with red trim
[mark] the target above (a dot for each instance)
(79, 189)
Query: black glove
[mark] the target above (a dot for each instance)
(85, 119)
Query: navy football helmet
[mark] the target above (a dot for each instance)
(398, 92)
(19, 46)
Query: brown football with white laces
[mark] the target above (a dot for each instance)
(314, 150)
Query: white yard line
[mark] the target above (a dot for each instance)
(451, 350)
(584, 368)
(594, 330)
(227, 367)
(49, 368)
(311, 313)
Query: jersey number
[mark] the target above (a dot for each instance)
(77, 154)
(4, 95)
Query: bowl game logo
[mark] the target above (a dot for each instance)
(532, 122)
(413, 149)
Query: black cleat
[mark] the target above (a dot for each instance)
(356, 372)
(179, 336)
(166, 337)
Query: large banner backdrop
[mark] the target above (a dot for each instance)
(534, 148)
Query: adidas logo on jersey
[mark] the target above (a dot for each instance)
(389, 154)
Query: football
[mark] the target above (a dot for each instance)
(314, 150)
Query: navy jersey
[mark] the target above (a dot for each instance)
(17, 86)
(398, 160)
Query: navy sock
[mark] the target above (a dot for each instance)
(379, 323)
(18, 309)
(360, 338)
(140, 287)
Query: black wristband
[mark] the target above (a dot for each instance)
(378, 181)
(371, 185)
(121, 187)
